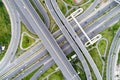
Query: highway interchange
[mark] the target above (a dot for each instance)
(38, 55)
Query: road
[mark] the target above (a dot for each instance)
(77, 40)
(107, 23)
(89, 30)
(69, 39)
(15, 35)
(83, 23)
(42, 11)
(95, 28)
(24, 65)
(102, 27)
(103, 19)
(27, 61)
(26, 23)
(33, 52)
(50, 44)
(42, 70)
(28, 71)
(110, 56)
(69, 51)
(86, 12)
(97, 14)
(22, 58)
(115, 59)
(34, 64)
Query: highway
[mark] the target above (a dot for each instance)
(94, 17)
(86, 12)
(103, 19)
(26, 62)
(28, 53)
(28, 71)
(115, 60)
(103, 26)
(107, 24)
(42, 70)
(54, 50)
(109, 71)
(77, 40)
(113, 12)
(32, 67)
(97, 14)
(22, 65)
(67, 49)
(42, 11)
(23, 19)
(95, 28)
(106, 17)
(62, 38)
(101, 11)
(69, 39)
(22, 58)
(77, 29)
(109, 21)
(15, 35)
(26, 23)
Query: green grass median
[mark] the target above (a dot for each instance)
(27, 41)
(5, 29)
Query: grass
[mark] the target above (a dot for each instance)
(78, 69)
(102, 46)
(5, 29)
(74, 3)
(31, 74)
(55, 29)
(24, 29)
(109, 35)
(118, 61)
(39, 13)
(92, 72)
(87, 5)
(27, 41)
(96, 59)
(70, 54)
(84, 7)
(57, 76)
(116, 26)
(52, 22)
(95, 56)
(69, 2)
(61, 6)
(82, 73)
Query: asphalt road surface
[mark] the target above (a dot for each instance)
(50, 44)
(69, 39)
